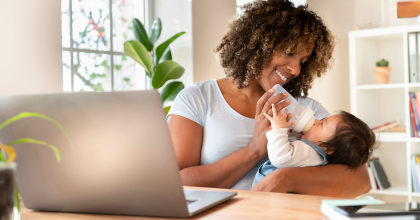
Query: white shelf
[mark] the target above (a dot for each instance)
(382, 86)
(379, 103)
(414, 139)
(399, 190)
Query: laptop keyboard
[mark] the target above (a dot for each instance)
(189, 201)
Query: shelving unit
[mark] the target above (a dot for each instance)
(376, 104)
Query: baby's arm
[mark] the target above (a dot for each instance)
(282, 153)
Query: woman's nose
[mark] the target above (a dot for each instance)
(294, 67)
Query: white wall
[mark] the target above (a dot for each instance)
(332, 90)
(209, 24)
(30, 47)
(176, 17)
(342, 16)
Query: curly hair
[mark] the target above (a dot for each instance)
(353, 142)
(271, 26)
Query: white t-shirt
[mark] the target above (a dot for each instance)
(224, 130)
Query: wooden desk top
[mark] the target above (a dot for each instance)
(246, 205)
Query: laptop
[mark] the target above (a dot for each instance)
(121, 162)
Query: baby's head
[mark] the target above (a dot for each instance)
(345, 138)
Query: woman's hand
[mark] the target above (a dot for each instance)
(262, 124)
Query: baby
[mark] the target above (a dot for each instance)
(337, 139)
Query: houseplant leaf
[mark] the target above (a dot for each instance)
(141, 35)
(37, 115)
(167, 108)
(138, 52)
(165, 71)
(161, 48)
(10, 152)
(33, 141)
(167, 55)
(171, 90)
(156, 30)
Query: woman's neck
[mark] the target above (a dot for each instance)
(251, 92)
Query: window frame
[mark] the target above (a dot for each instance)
(147, 6)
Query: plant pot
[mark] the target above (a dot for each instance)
(7, 190)
(382, 74)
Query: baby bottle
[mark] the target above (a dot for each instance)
(303, 116)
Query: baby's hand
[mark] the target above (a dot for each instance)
(278, 121)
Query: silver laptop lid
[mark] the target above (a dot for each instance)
(122, 161)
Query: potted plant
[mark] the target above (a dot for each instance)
(157, 62)
(382, 72)
(9, 193)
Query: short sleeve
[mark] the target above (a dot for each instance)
(320, 111)
(190, 103)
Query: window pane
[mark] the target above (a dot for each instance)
(128, 75)
(66, 71)
(123, 12)
(65, 23)
(93, 72)
(91, 25)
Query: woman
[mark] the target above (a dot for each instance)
(218, 127)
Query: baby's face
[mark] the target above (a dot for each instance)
(323, 130)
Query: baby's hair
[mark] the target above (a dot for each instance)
(352, 143)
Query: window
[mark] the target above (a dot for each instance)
(93, 34)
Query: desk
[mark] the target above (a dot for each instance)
(246, 205)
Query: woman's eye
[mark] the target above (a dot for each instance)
(290, 54)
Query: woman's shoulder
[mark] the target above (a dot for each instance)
(193, 101)
(199, 89)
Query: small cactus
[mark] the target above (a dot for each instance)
(382, 62)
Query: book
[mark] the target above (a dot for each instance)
(412, 57)
(387, 126)
(372, 179)
(415, 174)
(413, 119)
(379, 174)
(414, 110)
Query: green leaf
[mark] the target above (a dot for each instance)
(161, 48)
(17, 200)
(117, 67)
(33, 141)
(166, 56)
(124, 58)
(36, 115)
(138, 52)
(126, 79)
(167, 108)
(165, 71)
(104, 63)
(156, 29)
(141, 34)
(2, 157)
(98, 88)
(171, 91)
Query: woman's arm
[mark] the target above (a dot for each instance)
(187, 139)
(329, 180)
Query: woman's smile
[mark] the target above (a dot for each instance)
(281, 77)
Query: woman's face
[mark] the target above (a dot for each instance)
(284, 67)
